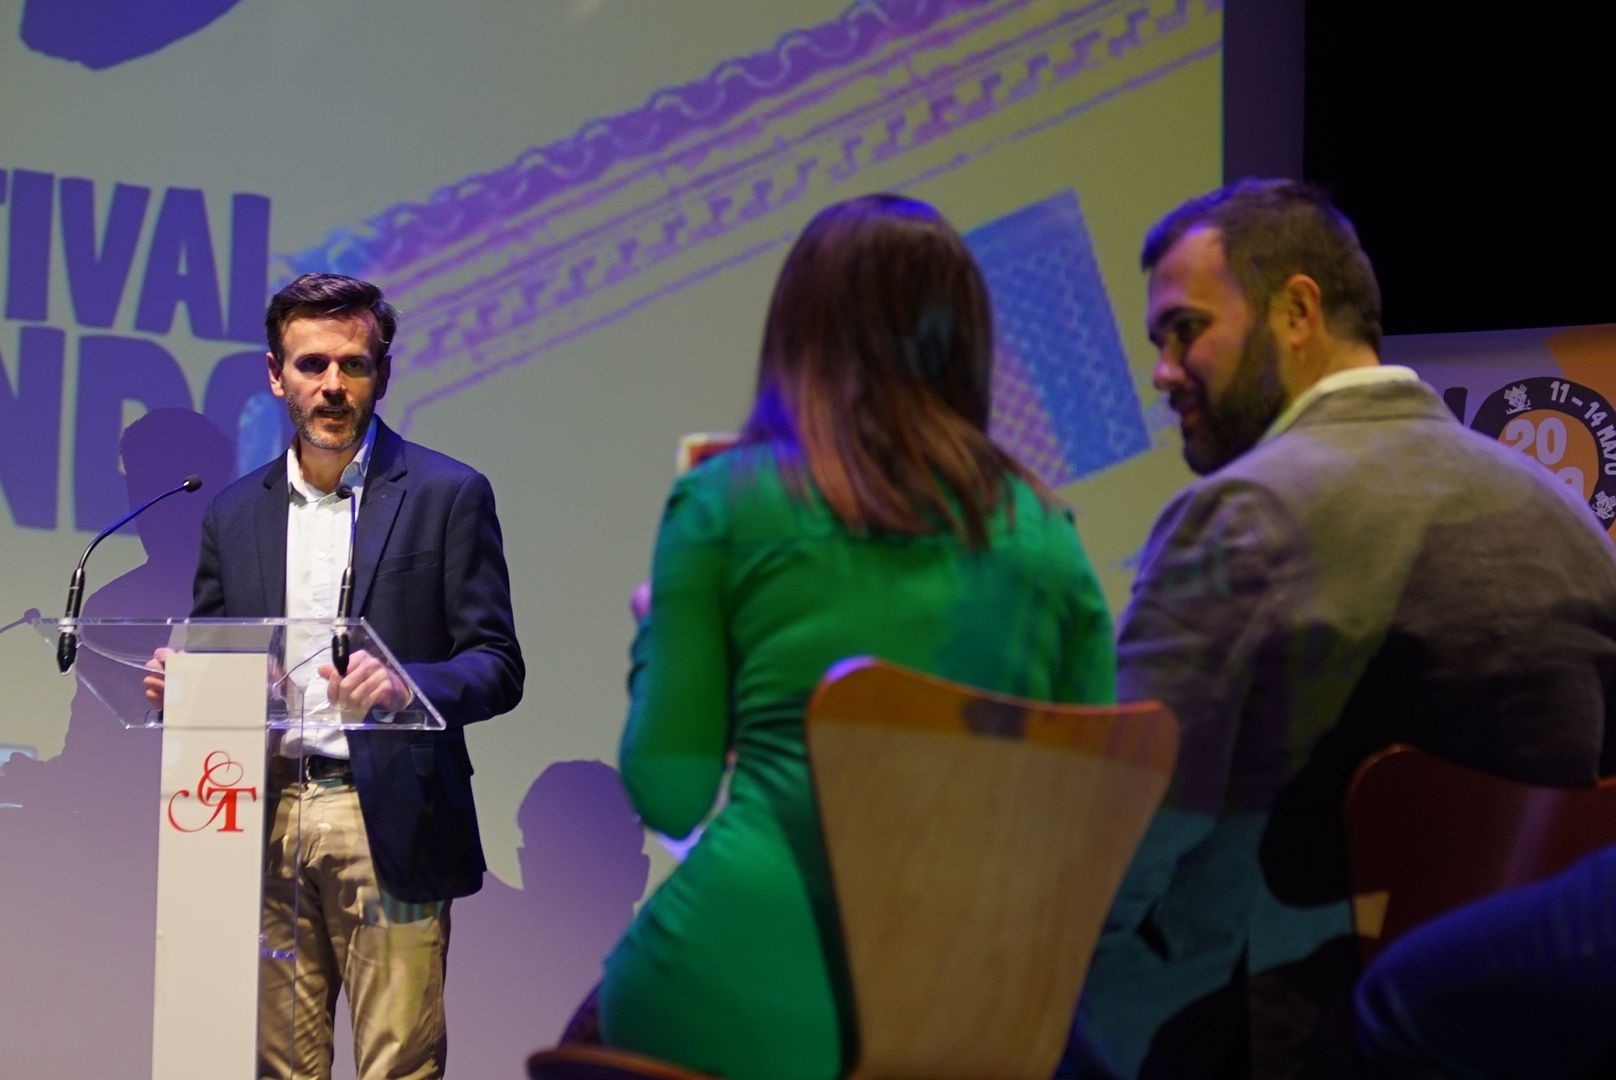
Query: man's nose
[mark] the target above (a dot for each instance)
(1167, 374)
(331, 381)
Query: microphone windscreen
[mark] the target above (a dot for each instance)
(192, 482)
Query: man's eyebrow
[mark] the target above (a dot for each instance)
(316, 354)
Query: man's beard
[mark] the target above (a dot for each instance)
(304, 421)
(1236, 421)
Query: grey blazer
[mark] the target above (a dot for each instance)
(1375, 573)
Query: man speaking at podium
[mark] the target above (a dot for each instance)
(388, 826)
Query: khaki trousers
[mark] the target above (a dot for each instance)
(323, 905)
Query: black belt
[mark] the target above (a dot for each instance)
(313, 767)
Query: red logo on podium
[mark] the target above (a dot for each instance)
(217, 790)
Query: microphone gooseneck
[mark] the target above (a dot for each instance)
(341, 647)
(67, 641)
(29, 617)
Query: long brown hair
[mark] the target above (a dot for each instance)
(876, 372)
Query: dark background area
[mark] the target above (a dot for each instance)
(1468, 144)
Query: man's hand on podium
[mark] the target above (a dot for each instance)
(368, 685)
(154, 682)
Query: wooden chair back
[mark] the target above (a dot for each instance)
(1425, 835)
(975, 843)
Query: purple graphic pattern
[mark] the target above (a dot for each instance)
(692, 121)
(631, 209)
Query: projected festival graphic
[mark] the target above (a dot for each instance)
(711, 175)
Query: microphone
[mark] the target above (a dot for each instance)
(340, 645)
(67, 641)
(29, 616)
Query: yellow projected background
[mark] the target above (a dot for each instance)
(580, 207)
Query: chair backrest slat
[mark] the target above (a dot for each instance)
(975, 844)
(1425, 835)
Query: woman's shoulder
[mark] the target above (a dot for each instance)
(1027, 508)
(737, 485)
(1039, 521)
(742, 472)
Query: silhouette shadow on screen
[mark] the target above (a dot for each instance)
(105, 33)
(521, 959)
(79, 848)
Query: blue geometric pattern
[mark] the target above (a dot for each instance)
(1064, 399)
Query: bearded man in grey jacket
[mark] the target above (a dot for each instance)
(1354, 568)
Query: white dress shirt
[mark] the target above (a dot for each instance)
(1341, 380)
(319, 529)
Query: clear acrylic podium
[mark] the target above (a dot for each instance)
(241, 699)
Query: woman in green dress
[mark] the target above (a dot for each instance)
(864, 511)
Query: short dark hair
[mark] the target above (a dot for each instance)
(1272, 229)
(876, 372)
(324, 296)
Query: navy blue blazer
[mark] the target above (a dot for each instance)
(430, 578)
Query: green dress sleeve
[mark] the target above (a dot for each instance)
(1088, 671)
(672, 753)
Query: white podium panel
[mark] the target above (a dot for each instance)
(234, 690)
(210, 852)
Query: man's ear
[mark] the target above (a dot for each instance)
(276, 387)
(384, 371)
(1298, 310)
